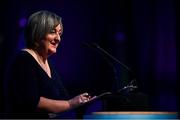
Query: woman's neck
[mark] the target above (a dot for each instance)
(41, 54)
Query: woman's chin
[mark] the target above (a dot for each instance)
(52, 51)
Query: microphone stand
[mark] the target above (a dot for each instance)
(130, 86)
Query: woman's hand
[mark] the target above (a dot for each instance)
(78, 100)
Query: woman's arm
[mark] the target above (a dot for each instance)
(53, 105)
(62, 105)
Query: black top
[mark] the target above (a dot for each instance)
(26, 82)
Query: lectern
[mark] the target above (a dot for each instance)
(107, 102)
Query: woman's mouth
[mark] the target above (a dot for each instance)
(54, 43)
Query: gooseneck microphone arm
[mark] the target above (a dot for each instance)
(102, 51)
(112, 57)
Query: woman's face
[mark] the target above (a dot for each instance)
(52, 39)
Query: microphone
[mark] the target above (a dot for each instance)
(129, 86)
(109, 55)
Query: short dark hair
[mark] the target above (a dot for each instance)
(39, 24)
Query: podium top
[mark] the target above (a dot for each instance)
(135, 112)
(133, 115)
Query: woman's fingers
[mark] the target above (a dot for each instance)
(85, 97)
(80, 99)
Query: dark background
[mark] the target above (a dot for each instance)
(140, 33)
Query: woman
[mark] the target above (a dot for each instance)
(34, 88)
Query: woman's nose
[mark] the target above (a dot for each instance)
(58, 37)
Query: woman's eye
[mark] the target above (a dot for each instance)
(52, 31)
(55, 32)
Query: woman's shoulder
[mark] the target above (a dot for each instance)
(22, 53)
(19, 61)
(22, 57)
